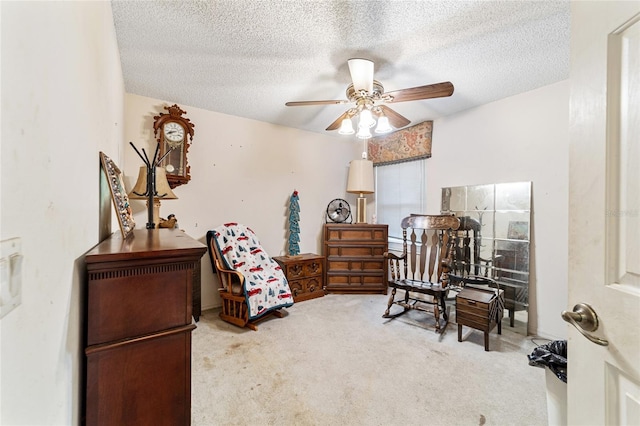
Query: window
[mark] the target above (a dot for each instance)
(400, 191)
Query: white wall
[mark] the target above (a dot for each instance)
(521, 138)
(62, 103)
(244, 171)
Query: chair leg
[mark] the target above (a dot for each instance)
(440, 305)
(444, 308)
(391, 297)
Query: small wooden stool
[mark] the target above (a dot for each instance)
(480, 309)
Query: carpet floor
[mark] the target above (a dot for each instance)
(335, 361)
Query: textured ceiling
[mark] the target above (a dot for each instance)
(248, 57)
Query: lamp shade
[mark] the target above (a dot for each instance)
(360, 177)
(162, 186)
(346, 127)
(383, 125)
(366, 119)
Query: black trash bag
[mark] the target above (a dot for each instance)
(553, 355)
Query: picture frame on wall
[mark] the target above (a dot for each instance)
(118, 195)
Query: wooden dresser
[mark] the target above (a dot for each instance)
(138, 327)
(354, 256)
(305, 275)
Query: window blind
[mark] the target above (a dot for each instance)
(400, 191)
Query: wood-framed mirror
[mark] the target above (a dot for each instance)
(118, 195)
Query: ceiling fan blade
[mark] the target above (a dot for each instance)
(361, 74)
(395, 119)
(439, 90)
(336, 124)
(305, 103)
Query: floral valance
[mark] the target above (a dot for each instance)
(412, 143)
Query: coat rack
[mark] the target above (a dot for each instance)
(151, 188)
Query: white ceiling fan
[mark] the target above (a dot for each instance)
(369, 99)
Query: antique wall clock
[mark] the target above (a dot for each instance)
(174, 134)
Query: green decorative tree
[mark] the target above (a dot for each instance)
(294, 228)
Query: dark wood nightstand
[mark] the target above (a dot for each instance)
(480, 309)
(305, 275)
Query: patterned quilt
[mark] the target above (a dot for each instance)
(266, 287)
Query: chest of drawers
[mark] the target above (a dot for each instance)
(138, 323)
(305, 275)
(354, 256)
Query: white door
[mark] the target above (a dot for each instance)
(604, 208)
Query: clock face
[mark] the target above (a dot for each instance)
(173, 132)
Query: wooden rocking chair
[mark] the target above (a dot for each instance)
(235, 308)
(422, 269)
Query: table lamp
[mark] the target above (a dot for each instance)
(361, 182)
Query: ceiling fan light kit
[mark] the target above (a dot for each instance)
(369, 98)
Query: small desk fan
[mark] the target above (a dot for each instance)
(338, 211)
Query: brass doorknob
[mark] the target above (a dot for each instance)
(585, 319)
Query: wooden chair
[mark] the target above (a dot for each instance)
(422, 270)
(233, 292)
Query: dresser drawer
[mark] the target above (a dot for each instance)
(356, 250)
(346, 279)
(342, 264)
(306, 288)
(307, 268)
(134, 302)
(141, 381)
(356, 282)
(346, 233)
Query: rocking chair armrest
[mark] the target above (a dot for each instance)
(472, 280)
(487, 261)
(393, 256)
(497, 258)
(230, 280)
